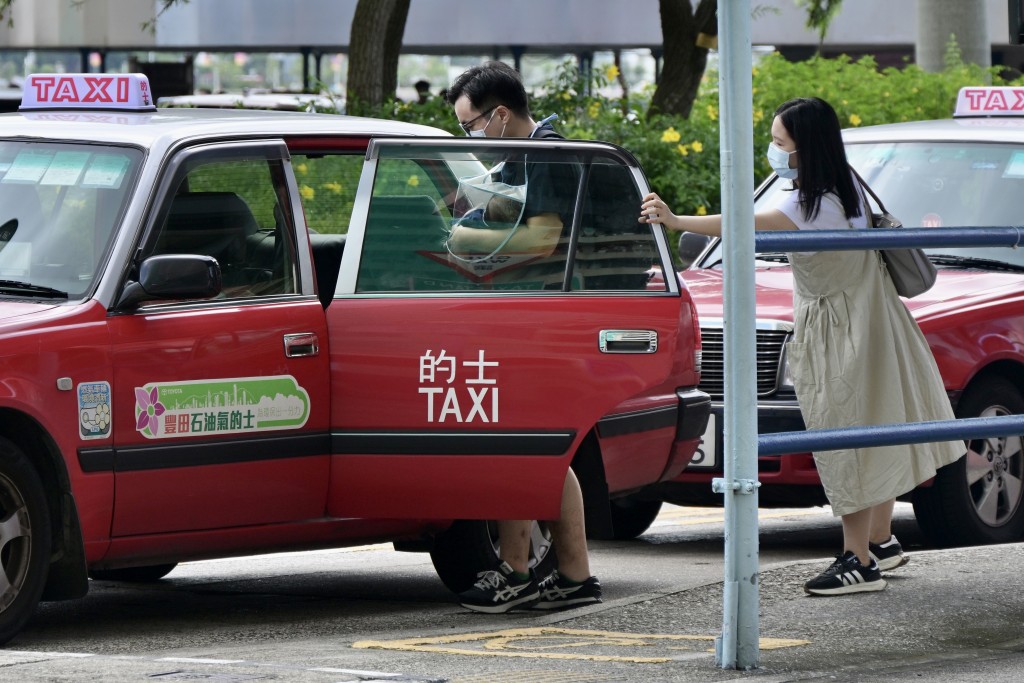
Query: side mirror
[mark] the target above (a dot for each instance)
(173, 276)
(691, 244)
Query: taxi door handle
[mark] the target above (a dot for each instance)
(628, 341)
(301, 344)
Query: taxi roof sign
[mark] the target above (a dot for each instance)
(989, 101)
(122, 92)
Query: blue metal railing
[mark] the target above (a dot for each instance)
(889, 238)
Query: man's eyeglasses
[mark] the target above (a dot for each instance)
(468, 125)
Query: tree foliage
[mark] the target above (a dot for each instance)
(820, 14)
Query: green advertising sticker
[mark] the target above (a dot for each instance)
(167, 410)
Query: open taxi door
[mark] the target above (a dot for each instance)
(496, 299)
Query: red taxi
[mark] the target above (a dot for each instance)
(966, 171)
(230, 332)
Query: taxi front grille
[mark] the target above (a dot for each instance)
(769, 358)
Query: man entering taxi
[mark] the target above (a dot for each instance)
(490, 101)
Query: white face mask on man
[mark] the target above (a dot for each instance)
(779, 160)
(480, 132)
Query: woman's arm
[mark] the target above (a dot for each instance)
(655, 210)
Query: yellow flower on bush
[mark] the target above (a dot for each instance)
(683, 149)
(697, 146)
(758, 115)
(413, 181)
(702, 210)
(670, 135)
(301, 169)
(754, 72)
(332, 187)
(566, 96)
(612, 72)
(854, 120)
(594, 109)
(712, 113)
(307, 192)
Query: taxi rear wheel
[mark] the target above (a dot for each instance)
(24, 539)
(471, 546)
(134, 574)
(980, 497)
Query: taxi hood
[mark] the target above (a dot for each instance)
(11, 310)
(954, 290)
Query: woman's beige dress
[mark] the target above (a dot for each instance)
(858, 358)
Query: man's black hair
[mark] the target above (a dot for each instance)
(820, 155)
(489, 85)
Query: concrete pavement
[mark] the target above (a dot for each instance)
(952, 615)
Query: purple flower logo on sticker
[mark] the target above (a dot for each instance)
(149, 410)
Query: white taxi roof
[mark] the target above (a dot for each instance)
(166, 127)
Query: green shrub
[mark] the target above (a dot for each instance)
(681, 156)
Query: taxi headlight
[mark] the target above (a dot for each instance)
(785, 377)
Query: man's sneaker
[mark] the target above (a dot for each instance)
(557, 592)
(499, 590)
(888, 555)
(846, 575)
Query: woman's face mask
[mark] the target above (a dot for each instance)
(779, 160)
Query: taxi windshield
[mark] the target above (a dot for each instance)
(936, 185)
(59, 204)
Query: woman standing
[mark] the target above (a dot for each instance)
(857, 356)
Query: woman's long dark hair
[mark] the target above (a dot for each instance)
(820, 155)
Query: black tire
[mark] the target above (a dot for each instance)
(25, 539)
(133, 574)
(979, 498)
(471, 546)
(632, 516)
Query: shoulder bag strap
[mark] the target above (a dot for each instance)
(868, 189)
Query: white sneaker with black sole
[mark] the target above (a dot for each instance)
(888, 555)
(846, 575)
(499, 590)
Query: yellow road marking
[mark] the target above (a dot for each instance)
(540, 641)
(691, 516)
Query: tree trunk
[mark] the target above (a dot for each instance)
(937, 20)
(374, 46)
(685, 59)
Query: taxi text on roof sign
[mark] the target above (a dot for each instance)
(129, 92)
(990, 101)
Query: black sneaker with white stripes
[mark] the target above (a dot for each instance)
(557, 592)
(846, 575)
(499, 590)
(888, 555)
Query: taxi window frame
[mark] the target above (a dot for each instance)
(582, 151)
(179, 163)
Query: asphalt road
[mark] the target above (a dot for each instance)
(371, 613)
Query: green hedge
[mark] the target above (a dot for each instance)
(681, 156)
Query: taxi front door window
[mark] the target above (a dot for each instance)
(231, 211)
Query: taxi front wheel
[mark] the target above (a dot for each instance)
(470, 546)
(980, 497)
(25, 539)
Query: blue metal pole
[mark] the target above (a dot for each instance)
(737, 647)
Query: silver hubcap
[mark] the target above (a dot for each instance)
(995, 474)
(15, 542)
